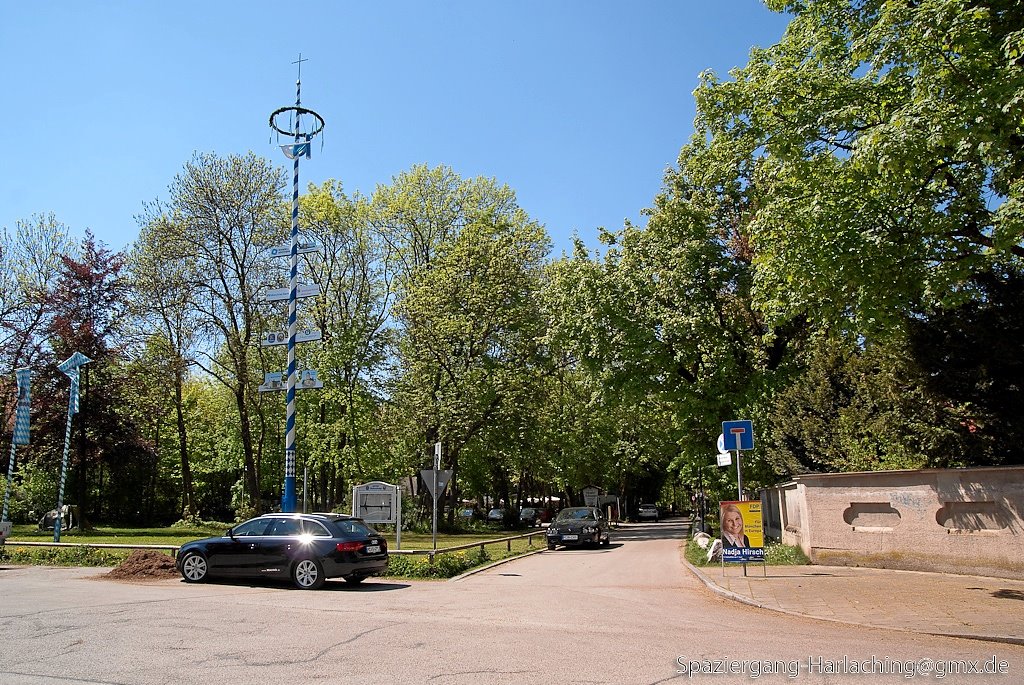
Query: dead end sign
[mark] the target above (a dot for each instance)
(738, 435)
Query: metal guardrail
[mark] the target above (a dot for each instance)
(431, 553)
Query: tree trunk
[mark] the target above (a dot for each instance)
(249, 474)
(187, 494)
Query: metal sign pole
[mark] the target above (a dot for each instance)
(433, 492)
(739, 476)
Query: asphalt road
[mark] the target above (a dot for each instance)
(630, 613)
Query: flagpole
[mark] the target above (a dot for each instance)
(20, 434)
(10, 476)
(70, 368)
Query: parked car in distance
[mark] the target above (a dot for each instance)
(496, 515)
(307, 548)
(530, 516)
(576, 526)
(647, 512)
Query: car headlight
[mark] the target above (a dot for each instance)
(589, 529)
(552, 531)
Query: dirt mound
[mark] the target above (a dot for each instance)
(145, 564)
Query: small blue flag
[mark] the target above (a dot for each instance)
(21, 419)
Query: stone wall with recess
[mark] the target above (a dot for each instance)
(953, 520)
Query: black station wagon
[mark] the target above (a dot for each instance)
(307, 548)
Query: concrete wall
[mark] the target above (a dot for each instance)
(955, 520)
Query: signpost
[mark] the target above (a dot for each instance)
(437, 482)
(737, 436)
(305, 290)
(379, 502)
(285, 250)
(281, 337)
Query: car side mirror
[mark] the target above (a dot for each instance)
(230, 533)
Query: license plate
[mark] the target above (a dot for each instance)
(570, 537)
(373, 549)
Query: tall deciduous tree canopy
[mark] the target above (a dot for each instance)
(880, 147)
(222, 215)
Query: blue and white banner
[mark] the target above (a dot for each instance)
(24, 411)
(70, 369)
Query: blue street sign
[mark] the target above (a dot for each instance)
(739, 435)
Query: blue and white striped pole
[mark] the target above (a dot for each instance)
(288, 501)
(20, 435)
(70, 369)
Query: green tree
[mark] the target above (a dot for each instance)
(468, 281)
(354, 272)
(222, 214)
(108, 453)
(881, 144)
(168, 323)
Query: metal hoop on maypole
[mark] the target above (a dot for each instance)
(298, 148)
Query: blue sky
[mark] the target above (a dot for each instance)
(578, 106)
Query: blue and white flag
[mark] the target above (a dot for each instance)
(293, 150)
(70, 369)
(21, 418)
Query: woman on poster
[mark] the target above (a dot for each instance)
(732, 528)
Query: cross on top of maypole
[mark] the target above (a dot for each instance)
(299, 61)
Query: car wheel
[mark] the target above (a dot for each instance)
(608, 541)
(308, 574)
(551, 546)
(194, 568)
(354, 580)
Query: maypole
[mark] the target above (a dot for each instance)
(300, 146)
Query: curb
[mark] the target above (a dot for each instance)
(499, 562)
(743, 599)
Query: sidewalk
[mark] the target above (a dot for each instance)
(973, 607)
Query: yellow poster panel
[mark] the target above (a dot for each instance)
(742, 531)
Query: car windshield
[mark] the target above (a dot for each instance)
(576, 515)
